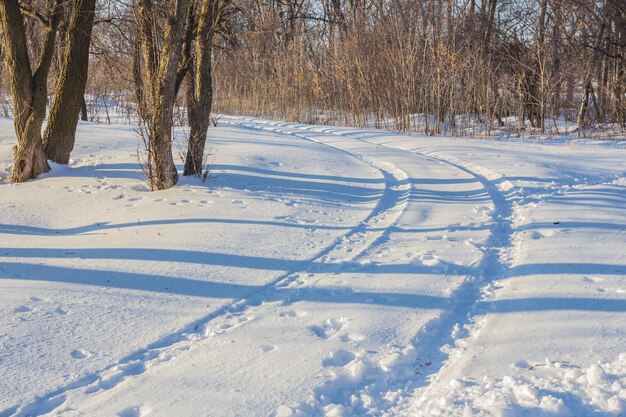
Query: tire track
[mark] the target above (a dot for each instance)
(393, 202)
(438, 341)
(436, 344)
(388, 209)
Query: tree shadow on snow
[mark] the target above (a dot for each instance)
(335, 294)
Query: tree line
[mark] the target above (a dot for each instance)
(433, 66)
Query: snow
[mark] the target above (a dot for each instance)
(319, 272)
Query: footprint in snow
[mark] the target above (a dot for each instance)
(429, 259)
(22, 309)
(268, 348)
(329, 328)
(227, 327)
(180, 202)
(135, 411)
(116, 375)
(588, 278)
(60, 311)
(293, 313)
(80, 354)
(339, 358)
(536, 235)
(351, 337)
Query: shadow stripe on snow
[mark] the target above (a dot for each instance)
(136, 362)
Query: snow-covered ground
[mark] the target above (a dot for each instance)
(319, 272)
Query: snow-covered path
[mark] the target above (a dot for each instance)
(322, 272)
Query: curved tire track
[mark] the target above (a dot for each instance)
(391, 204)
(435, 343)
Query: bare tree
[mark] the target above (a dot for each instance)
(159, 44)
(430, 65)
(28, 87)
(200, 85)
(60, 133)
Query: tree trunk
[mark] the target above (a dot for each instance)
(160, 71)
(83, 109)
(493, 4)
(138, 72)
(557, 100)
(620, 70)
(60, 133)
(200, 88)
(589, 93)
(584, 105)
(29, 90)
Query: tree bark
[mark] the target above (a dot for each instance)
(29, 90)
(493, 4)
(83, 109)
(159, 71)
(200, 88)
(584, 105)
(557, 100)
(60, 134)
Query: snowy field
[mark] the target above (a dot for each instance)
(319, 272)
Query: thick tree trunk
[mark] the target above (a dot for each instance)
(29, 159)
(165, 174)
(60, 133)
(29, 90)
(198, 114)
(138, 72)
(159, 71)
(200, 88)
